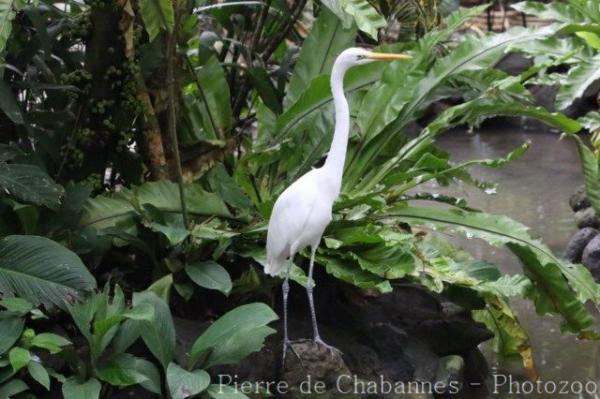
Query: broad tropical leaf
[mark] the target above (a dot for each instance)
(234, 335)
(42, 271)
(207, 104)
(122, 208)
(359, 12)
(210, 275)
(509, 336)
(183, 384)
(159, 333)
(158, 15)
(28, 183)
(471, 54)
(326, 40)
(73, 388)
(562, 287)
(7, 14)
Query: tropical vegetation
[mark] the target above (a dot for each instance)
(145, 141)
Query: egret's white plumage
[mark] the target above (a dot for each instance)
(303, 211)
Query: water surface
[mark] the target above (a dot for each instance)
(534, 190)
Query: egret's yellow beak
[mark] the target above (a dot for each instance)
(388, 56)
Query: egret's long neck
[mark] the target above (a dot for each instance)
(337, 152)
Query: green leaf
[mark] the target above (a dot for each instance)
(564, 288)
(472, 54)
(107, 211)
(158, 334)
(265, 88)
(17, 305)
(158, 15)
(174, 234)
(41, 270)
(355, 275)
(28, 183)
(141, 312)
(210, 275)
(510, 338)
(11, 328)
(591, 174)
(19, 358)
(326, 40)
(183, 383)
(121, 371)
(234, 335)
(51, 342)
(150, 371)
(221, 391)
(8, 101)
(364, 15)
(73, 388)
(14, 387)
(591, 121)
(39, 373)
(164, 195)
(579, 78)
(162, 287)
(318, 95)
(122, 208)
(210, 103)
(556, 11)
(7, 14)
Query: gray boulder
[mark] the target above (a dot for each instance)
(586, 218)
(578, 242)
(591, 257)
(579, 200)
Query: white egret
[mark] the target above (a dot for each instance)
(303, 210)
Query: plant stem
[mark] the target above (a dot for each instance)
(172, 119)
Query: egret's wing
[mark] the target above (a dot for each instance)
(289, 220)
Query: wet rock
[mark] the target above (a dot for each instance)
(591, 257)
(578, 242)
(586, 218)
(579, 200)
(514, 64)
(311, 366)
(400, 353)
(399, 336)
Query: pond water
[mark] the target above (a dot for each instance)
(534, 190)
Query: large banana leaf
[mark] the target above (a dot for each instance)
(326, 40)
(562, 287)
(42, 271)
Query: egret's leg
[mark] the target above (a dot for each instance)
(309, 290)
(313, 314)
(285, 289)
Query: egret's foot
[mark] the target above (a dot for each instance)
(332, 349)
(287, 344)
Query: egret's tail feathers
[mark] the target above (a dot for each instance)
(274, 266)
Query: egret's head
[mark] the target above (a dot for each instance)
(358, 56)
